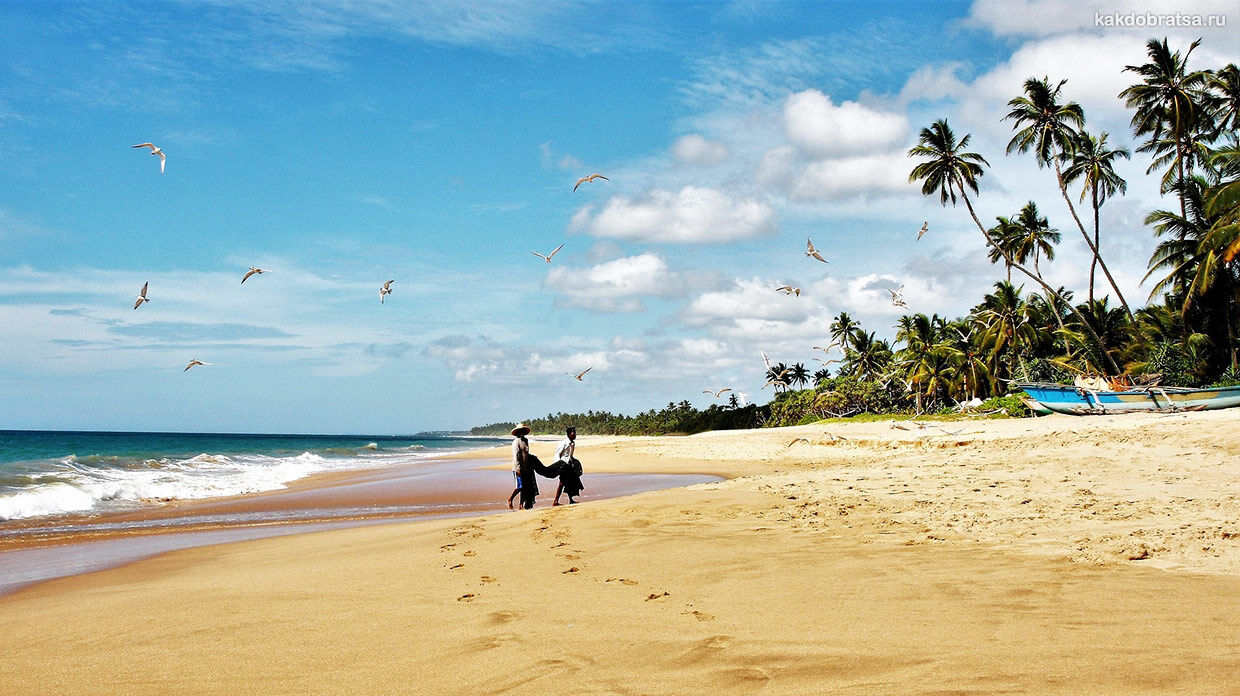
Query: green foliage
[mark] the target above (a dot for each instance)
(680, 418)
(1173, 363)
(1011, 405)
(832, 398)
(1229, 378)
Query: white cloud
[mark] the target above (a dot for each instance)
(614, 286)
(821, 128)
(694, 149)
(692, 215)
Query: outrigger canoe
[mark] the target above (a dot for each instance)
(1081, 401)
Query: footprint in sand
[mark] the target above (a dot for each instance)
(625, 581)
(503, 617)
(468, 554)
(488, 579)
(658, 596)
(700, 616)
(468, 597)
(496, 641)
(574, 569)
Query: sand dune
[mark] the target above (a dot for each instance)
(1058, 556)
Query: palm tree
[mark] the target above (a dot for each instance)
(1193, 260)
(778, 373)
(1007, 235)
(1037, 239)
(798, 375)
(843, 328)
(1094, 164)
(917, 333)
(1169, 104)
(951, 172)
(821, 375)
(1050, 129)
(1005, 327)
(867, 357)
(1225, 88)
(734, 401)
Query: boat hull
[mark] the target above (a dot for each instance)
(1076, 401)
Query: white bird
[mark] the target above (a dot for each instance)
(581, 374)
(142, 296)
(925, 227)
(833, 344)
(766, 360)
(252, 271)
(789, 290)
(717, 393)
(547, 258)
(592, 177)
(158, 153)
(897, 297)
(193, 363)
(828, 362)
(811, 251)
(385, 290)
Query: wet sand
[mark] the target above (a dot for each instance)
(1049, 556)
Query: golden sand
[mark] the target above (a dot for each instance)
(1059, 555)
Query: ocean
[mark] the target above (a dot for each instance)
(44, 473)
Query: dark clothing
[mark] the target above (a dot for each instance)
(529, 482)
(570, 477)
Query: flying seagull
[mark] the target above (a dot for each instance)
(581, 374)
(142, 296)
(252, 271)
(897, 297)
(789, 290)
(592, 177)
(385, 290)
(717, 393)
(811, 251)
(163, 159)
(925, 227)
(833, 344)
(193, 363)
(547, 258)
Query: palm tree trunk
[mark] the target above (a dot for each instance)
(1063, 189)
(1085, 323)
(1093, 265)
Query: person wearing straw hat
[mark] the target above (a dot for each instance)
(522, 471)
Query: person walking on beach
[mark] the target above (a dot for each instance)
(568, 466)
(522, 470)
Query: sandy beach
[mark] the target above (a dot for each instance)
(1057, 555)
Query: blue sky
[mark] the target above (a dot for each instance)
(436, 144)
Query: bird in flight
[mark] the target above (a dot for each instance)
(193, 363)
(252, 271)
(778, 379)
(833, 344)
(163, 159)
(811, 251)
(789, 290)
(897, 297)
(925, 227)
(385, 290)
(547, 258)
(592, 177)
(581, 374)
(717, 393)
(142, 296)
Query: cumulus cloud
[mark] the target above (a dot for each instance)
(694, 149)
(690, 216)
(822, 128)
(614, 286)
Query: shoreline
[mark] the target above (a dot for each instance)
(1056, 555)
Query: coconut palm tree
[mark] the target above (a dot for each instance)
(1006, 234)
(1225, 88)
(867, 357)
(951, 171)
(1093, 163)
(1037, 238)
(843, 328)
(1051, 129)
(1006, 329)
(1169, 104)
(798, 375)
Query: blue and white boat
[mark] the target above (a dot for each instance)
(1082, 401)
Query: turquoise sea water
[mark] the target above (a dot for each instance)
(53, 472)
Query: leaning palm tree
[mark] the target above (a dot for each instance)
(1094, 164)
(1168, 105)
(1050, 129)
(951, 171)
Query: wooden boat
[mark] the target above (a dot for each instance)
(1081, 401)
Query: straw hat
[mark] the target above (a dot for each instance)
(521, 429)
